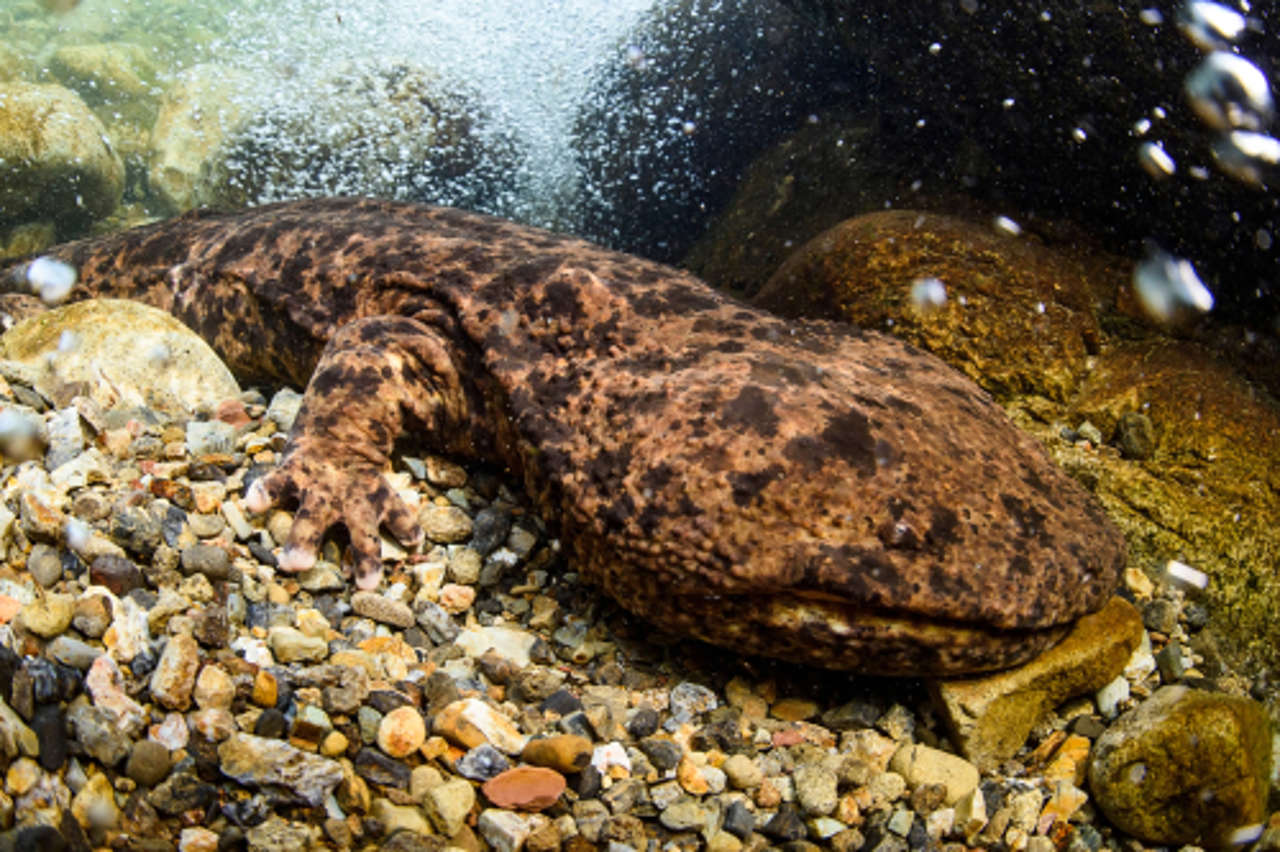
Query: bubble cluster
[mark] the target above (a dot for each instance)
(1169, 289)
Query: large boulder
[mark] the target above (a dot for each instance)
(55, 161)
(677, 111)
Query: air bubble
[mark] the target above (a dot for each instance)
(50, 279)
(1169, 289)
(1230, 92)
(1247, 156)
(1007, 226)
(928, 294)
(1155, 160)
(1210, 26)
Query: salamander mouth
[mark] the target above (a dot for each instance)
(816, 630)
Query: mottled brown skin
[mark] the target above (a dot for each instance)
(804, 490)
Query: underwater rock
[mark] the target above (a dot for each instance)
(1185, 766)
(56, 162)
(196, 116)
(1019, 317)
(159, 363)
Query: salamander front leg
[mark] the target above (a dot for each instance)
(376, 376)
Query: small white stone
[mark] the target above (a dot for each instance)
(1110, 697)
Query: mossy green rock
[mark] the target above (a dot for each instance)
(1185, 766)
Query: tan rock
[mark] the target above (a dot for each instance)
(794, 709)
(214, 688)
(175, 674)
(448, 804)
(990, 716)
(470, 722)
(48, 615)
(920, 765)
(264, 689)
(402, 732)
(115, 360)
(94, 807)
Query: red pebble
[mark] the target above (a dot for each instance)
(525, 788)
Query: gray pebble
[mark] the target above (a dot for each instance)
(283, 409)
(45, 565)
(206, 526)
(73, 652)
(210, 436)
(482, 763)
(66, 437)
(207, 559)
(437, 623)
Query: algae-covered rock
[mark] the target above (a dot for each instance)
(1018, 317)
(55, 161)
(1185, 766)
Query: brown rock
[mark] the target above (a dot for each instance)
(567, 753)
(264, 689)
(526, 788)
(175, 674)
(991, 716)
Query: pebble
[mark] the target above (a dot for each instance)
(445, 524)
(448, 804)
(921, 765)
(567, 753)
(175, 675)
(382, 609)
(743, 772)
(214, 688)
(815, 788)
(470, 722)
(148, 763)
(503, 830)
(482, 763)
(208, 559)
(73, 652)
(526, 788)
(48, 615)
(402, 732)
(45, 565)
(116, 573)
(290, 645)
(258, 761)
